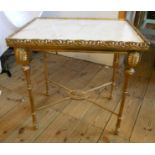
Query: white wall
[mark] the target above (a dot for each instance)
(6, 28)
(19, 18)
(97, 58)
(131, 16)
(11, 21)
(82, 14)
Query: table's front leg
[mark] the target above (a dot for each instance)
(23, 58)
(132, 60)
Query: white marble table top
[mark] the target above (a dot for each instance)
(79, 29)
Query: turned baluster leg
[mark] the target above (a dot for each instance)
(23, 57)
(132, 61)
(46, 72)
(115, 67)
(26, 69)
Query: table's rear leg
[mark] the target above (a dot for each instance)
(23, 58)
(115, 68)
(46, 73)
(132, 61)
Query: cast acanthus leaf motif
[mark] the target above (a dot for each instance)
(133, 59)
(22, 56)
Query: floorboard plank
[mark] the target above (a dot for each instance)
(77, 83)
(145, 125)
(77, 121)
(40, 98)
(137, 88)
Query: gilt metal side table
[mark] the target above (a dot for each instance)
(89, 35)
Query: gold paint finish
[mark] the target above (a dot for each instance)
(22, 56)
(115, 67)
(22, 53)
(87, 45)
(26, 69)
(46, 72)
(133, 60)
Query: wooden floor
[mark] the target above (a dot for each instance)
(77, 121)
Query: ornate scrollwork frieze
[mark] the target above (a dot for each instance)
(133, 60)
(77, 44)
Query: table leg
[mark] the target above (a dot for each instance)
(23, 58)
(46, 72)
(115, 67)
(26, 69)
(132, 61)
